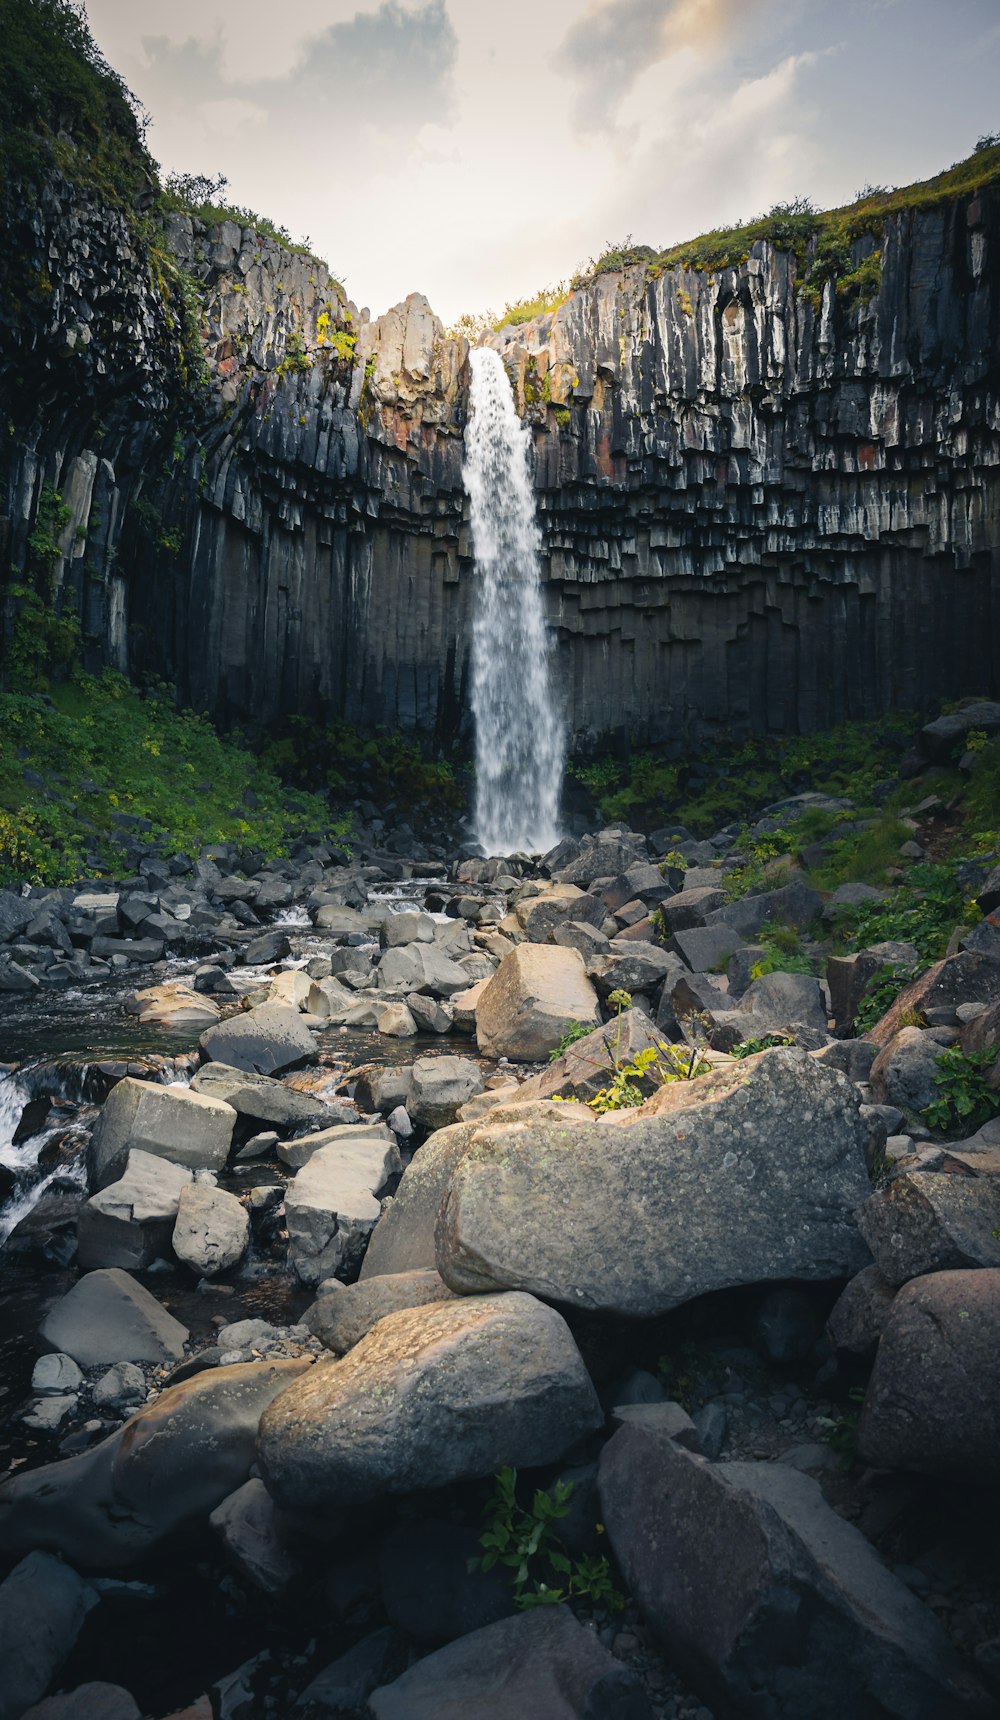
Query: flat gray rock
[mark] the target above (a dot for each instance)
(927, 1221)
(262, 1041)
(429, 1396)
(332, 1205)
(259, 1097)
(109, 1317)
(212, 1231)
(174, 1123)
(129, 1223)
(340, 1318)
(438, 1086)
(752, 1174)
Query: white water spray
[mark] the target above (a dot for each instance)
(519, 739)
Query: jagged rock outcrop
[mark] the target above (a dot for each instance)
(757, 508)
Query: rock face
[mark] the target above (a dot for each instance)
(750, 1174)
(430, 1395)
(171, 1464)
(676, 417)
(933, 1400)
(926, 1222)
(771, 1604)
(537, 990)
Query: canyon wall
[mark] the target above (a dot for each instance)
(758, 511)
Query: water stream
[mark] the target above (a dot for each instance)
(519, 738)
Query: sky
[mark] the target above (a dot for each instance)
(479, 152)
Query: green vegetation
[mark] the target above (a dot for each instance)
(967, 1100)
(782, 953)
(617, 254)
(525, 1541)
(387, 767)
(538, 304)
(923, 911)
(883, 989)
(573, 1031)
(841, 1433)
(104, 753)
(203, 197)
(765, 1042)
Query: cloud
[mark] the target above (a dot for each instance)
(618, 40)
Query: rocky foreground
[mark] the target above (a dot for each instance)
(672, 1314)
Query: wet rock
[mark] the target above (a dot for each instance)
(42, 1608)
(768, 1600)
(438, 1086)
(859, 1315)
(541, 1662)
(172, 1464)
(933, 1400)
(55, 1374)
(332, 1205)
(212, 1231)
(174, 1123)
(129, 1223)
(262, 1041)
(109, 1317)
(523, 1010)
(924, 1221)
(429, 1396)
(173, 1005)
(750, 1174)
(123, 1384)
(269, 947)
(259, 1098)
(247, 1525)
(341, 1317)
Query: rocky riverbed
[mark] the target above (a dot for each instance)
(319, 1224)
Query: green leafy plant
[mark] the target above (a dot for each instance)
(572, 1031)
(883, 989)
(525, 1542)
(764, 1042)
(842, 1431)
(655, 1066)
(51, 520)
(966, 1098)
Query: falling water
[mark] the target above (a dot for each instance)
(519, 739)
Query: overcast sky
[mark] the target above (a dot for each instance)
(476, 152)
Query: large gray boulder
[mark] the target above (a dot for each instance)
(752, 1174)
(933, 1400)
(792, 904)
(784, 1000)
(42, 1608)
(541, 1663)
(438, 1086)
(925, 1221)
(299, 1151)
(333, 1204)
(212, 1231)
(860, 1313)
(429, 1396)
(259, 1098)
(538, 916)
(110, 1317)
(589, 1063)
(170, 1465)
(536, 992)
(341, 1316)
(263, 1041)
(403, 1239)
(771, 1604)
(174, 1123)
(129, 1223)
(904, 1070)
(964, 978)
(423, 968)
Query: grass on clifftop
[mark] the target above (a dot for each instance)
(79, 763)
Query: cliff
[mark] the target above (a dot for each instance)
(765, 503)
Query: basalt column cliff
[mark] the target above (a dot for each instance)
(762, 506)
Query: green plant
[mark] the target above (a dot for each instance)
(923, 912)
(525, 1542)
(966, 1098)
(842, 1431)
(572, 1031)
(764, 1042)
(881, 993)
(51, 519)
(657, 1065)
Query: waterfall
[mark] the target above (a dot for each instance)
(519, 738)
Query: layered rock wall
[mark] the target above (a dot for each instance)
(757, 512)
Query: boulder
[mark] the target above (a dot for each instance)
(332, 1205)
(212, 1231)
(940, 738)
(690, 908)
(574, 935)
(706, 949)
(340, 1317)
(173, 1005)
(793, 904)
(965, 978)
(109, 1317)
(403, 1240)
(258, 1098)
(129, 1223)
(299, 1151)
(94, 1701)
(172, 1464)
(859, 1315)
(344, 1685)
(751, 1174)
(589, 1063)
(290, 990)
(263, 1040)
(430, 1015)
(924, 1221)
(770, 1602)
(641, 969)
(431, 1583)
(439, 1085)
(538, 916)
(398, 930)
(383, 1086)
(55, 1374)
(933, 1400)
(329, 1000)
(246, 1524)
(42, 1608)
(174, 1123)
(395, 1021)
(125, 1383)
(524, 1009)
(429, 1396)
(785, 1000)
(904, 1070)
(849, 977)
(540, 1663)
(422, 967)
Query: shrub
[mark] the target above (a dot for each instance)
(525, 1542)
(966, 1098)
